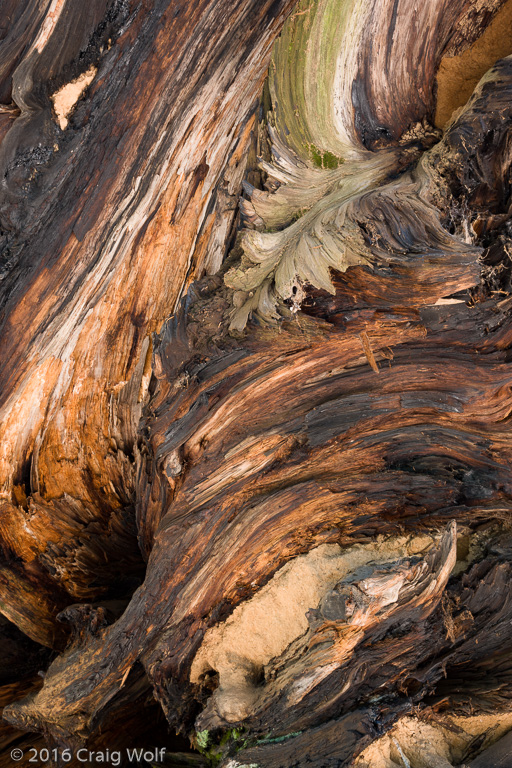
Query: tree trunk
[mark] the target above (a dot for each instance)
(255, 459)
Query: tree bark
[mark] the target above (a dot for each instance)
(255, 459)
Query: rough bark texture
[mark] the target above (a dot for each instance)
(255, 462)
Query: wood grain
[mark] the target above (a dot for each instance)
(194, 402)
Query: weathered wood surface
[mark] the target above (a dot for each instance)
(353, 421)
(104, 224)
(497, 756)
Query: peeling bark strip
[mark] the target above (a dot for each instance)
(213, 511)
